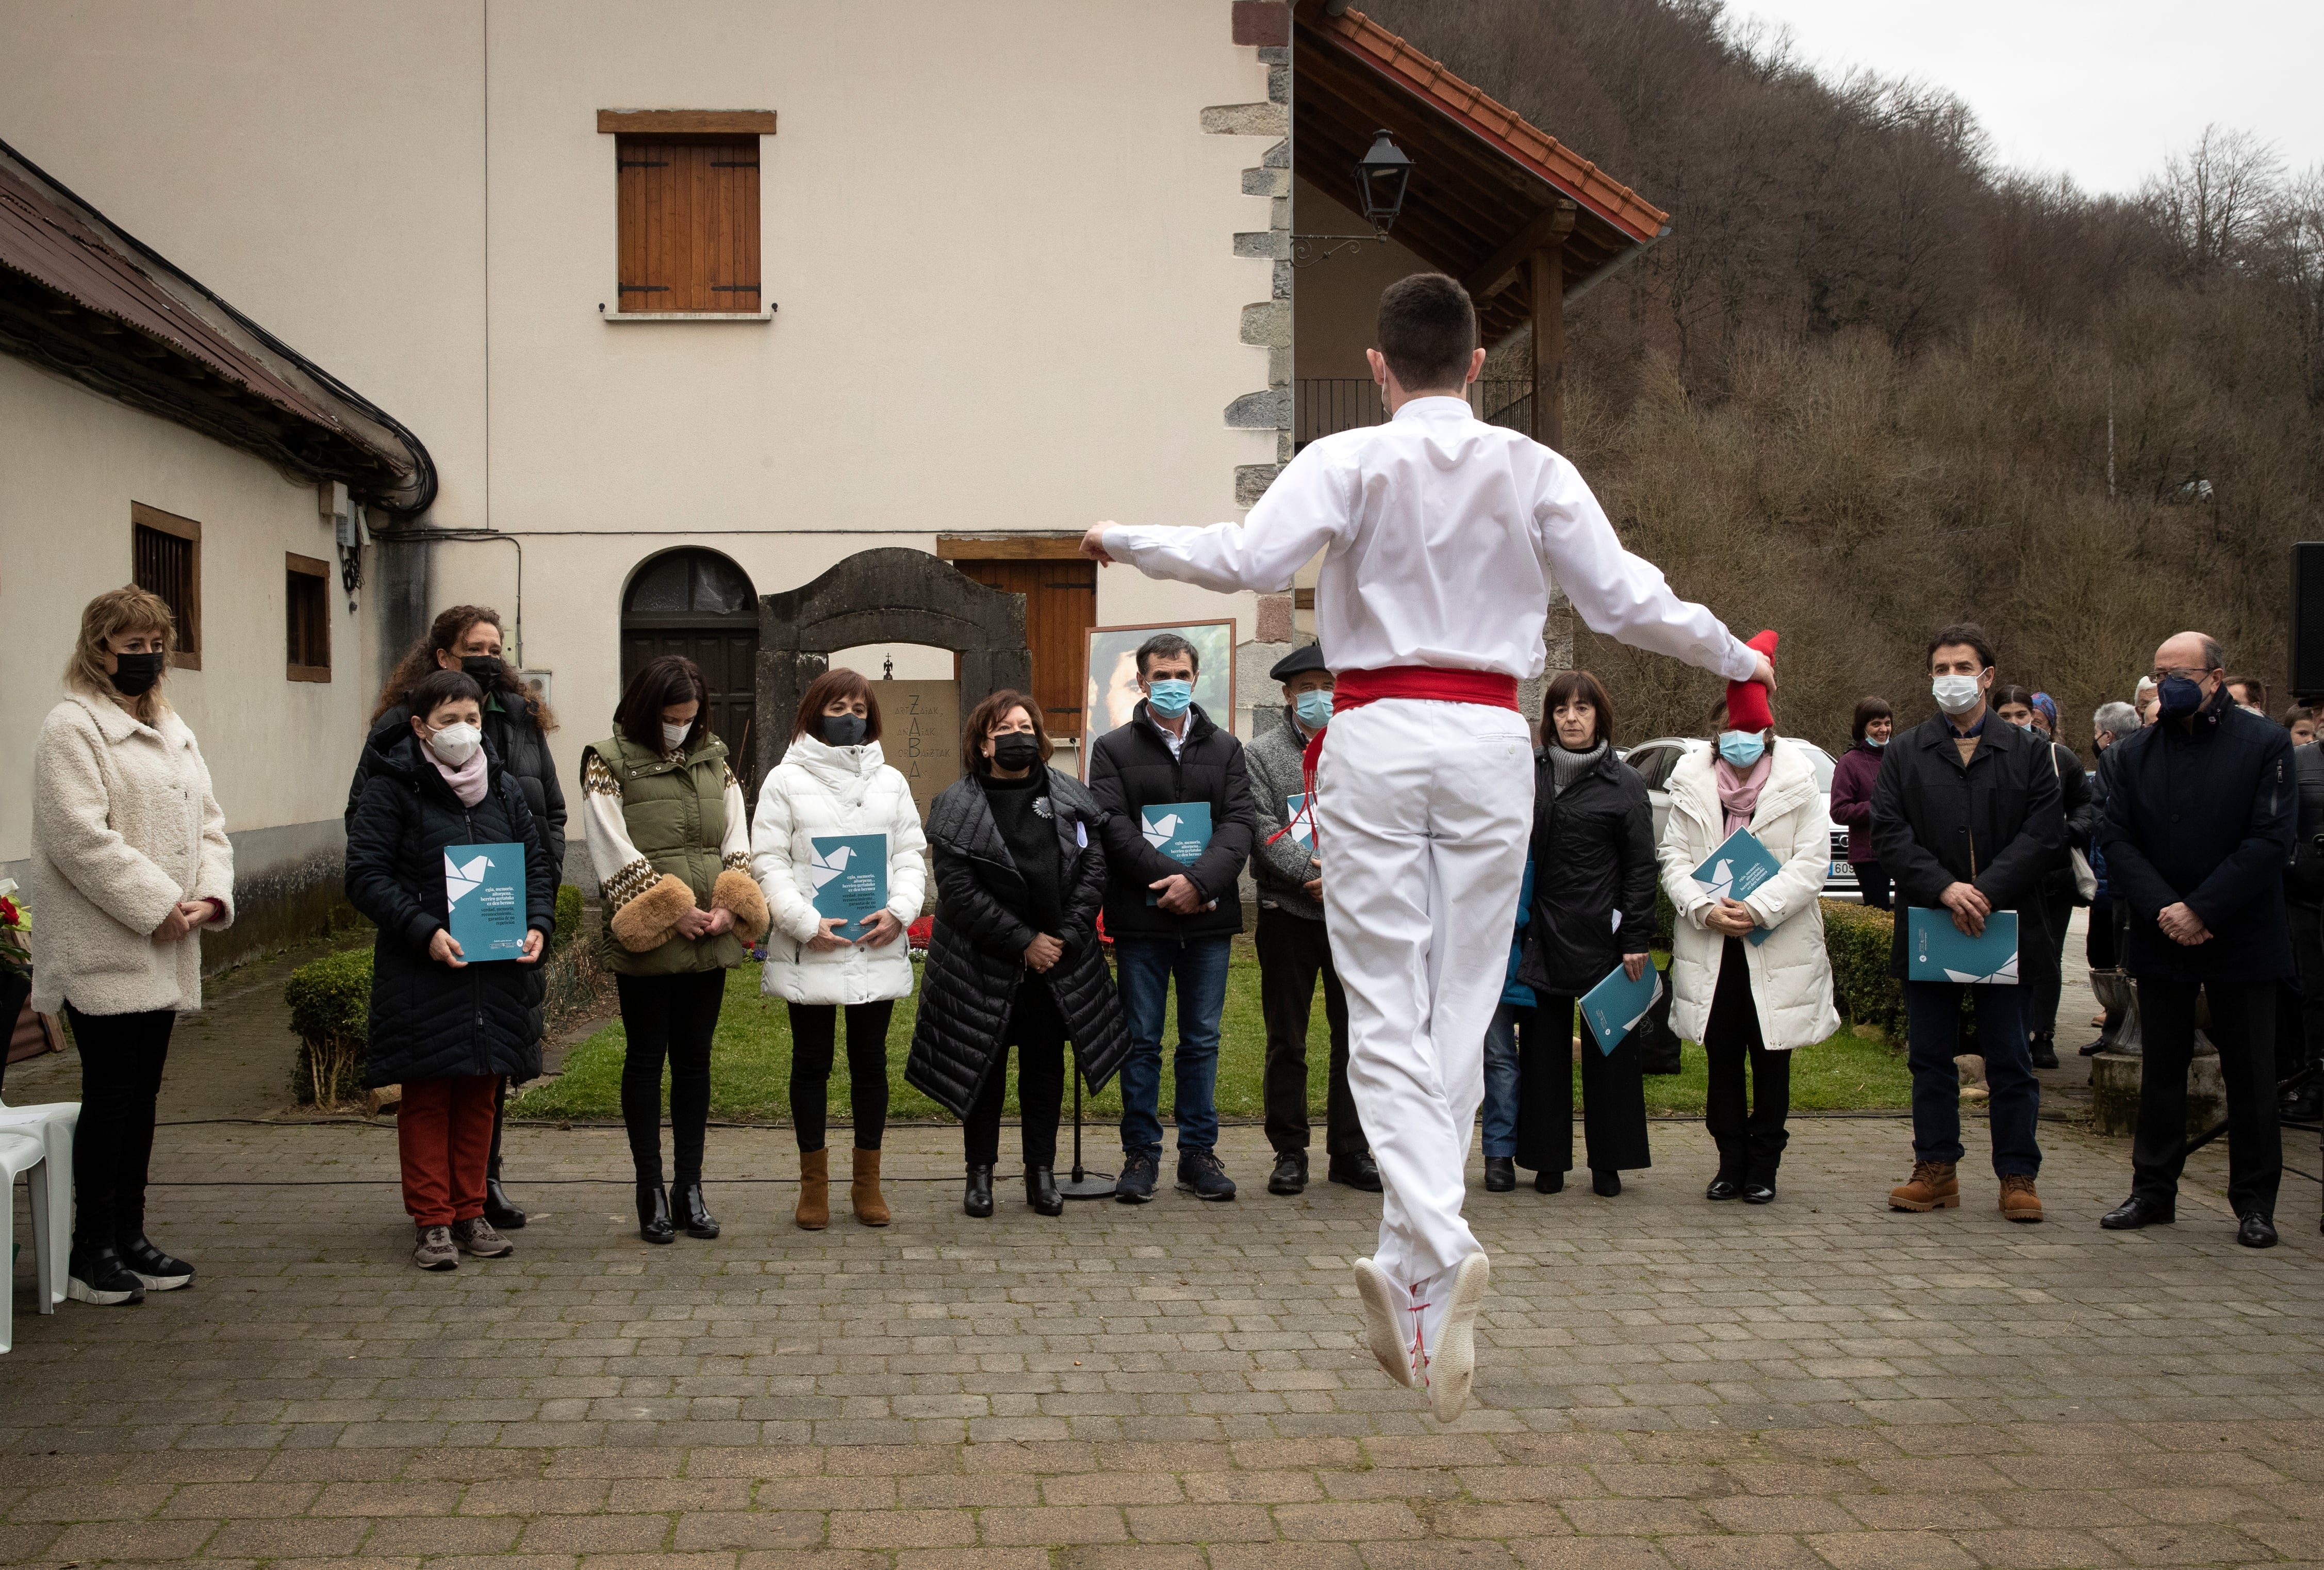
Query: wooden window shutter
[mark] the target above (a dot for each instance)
(688, 223)
(1060, 609)
(165, 553)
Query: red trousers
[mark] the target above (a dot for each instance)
(444, 1132)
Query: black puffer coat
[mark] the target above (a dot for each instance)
(1593, 854)
(976, 953)
(428, 1021)
(515, 740)
(1131, 768)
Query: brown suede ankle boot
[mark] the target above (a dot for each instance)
(815, 1189)
(863, 1193)
(1932, 1188)
(2018, 1200)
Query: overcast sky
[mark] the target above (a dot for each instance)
(2099, 89)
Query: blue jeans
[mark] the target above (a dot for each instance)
(1146, 966)
(1501, 1077)
(1932, 1034)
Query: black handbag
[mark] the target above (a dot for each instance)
(1657, 1042)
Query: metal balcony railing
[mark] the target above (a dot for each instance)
(1324, 404)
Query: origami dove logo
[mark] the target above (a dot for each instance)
(1722, 880)
(823, 866)
(1158, 831)
(459, 881)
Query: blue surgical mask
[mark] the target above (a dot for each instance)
(1315, 709)
(1875, 741)
(1741, 749)
(2180, 695)
(1170, 697)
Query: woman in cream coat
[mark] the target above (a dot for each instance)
(835, 781)
(130, 862)
(1749, 1004)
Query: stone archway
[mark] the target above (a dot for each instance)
(888, 596)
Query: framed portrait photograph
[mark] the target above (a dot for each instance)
(1114, 694)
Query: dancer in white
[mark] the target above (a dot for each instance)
(1440, 536)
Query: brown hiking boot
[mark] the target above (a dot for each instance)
(815, 1189)
(863, 1193)
(1932, 1188)
(2018, 1200)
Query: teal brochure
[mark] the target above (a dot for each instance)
(1618, 1003)
(1296, 818)
(484, 890)
(1180, 830)
(1741, 865)
(1938, 951)
(850, 873)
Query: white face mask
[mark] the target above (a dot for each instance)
(674, 736)
(1956, 694)
(455, 745)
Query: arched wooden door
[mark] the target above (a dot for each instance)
(699, 603)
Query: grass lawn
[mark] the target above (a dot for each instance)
(749, 1066)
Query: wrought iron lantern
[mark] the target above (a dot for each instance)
(1380, 178)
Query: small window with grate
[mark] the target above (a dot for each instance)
(307, 619)
(165, 553)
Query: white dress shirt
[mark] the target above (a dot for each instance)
(1440, 536)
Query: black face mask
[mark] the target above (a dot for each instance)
(1016, 751)
(133, 675)
(844, 730)
(485, 669)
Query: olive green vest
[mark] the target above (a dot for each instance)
(675, 814)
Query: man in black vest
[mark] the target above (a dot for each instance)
(2198, 825)
(1171, 919)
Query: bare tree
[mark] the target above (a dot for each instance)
(2218, 198)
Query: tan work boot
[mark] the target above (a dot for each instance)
(863, 1192)
(815, 1189)
(1932, 1188)
(2018, 1200)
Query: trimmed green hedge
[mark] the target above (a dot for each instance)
(1857, 940)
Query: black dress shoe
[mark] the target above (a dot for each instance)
(685, 1198)
(155, 1270)
(1290, 1174)
(2136, 1212)
(1605, 1182)
(1500, 1174)
(2257, 1232)
(977, 1199)
(97, 1275)
(1724, 1187)
(653, 1214)
(1758, 1193)
(1357, 1171)
(2044, 1052)
(1548, 1182)
(499, 1209)
(1041, 1191)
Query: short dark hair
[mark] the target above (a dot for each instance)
(1567, 686)
(977, 728)
(2001, 696)
(840, 683)
(439, 687)
(2255, 689)
(1868, 709)
(1968, 633)
(659, 684)
(1427, 331)
(1163, 645)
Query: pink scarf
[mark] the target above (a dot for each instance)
(468, 780)
(1740, 793)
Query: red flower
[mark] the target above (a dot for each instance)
(9, 915)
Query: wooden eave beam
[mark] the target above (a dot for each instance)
(1547, 228)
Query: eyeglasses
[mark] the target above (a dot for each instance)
(2160, 676)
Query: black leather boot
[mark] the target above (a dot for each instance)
(978, 1200)
(1041, 1191)
(653, 1214)
(499, 1209)
(155, 1270)
(685, 1198)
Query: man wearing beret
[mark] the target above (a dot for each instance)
(1293, 949)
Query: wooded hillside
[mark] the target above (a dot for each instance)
(1872, 383)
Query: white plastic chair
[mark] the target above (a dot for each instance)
(54, 1123)
(27, 1153)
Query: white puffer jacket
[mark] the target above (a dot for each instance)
(1791, 973)
(819, 789)
(123, 828)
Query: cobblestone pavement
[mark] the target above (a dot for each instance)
(1664, 1383)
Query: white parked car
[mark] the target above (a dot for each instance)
(1654, 759)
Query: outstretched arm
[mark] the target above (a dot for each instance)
(1304, 510)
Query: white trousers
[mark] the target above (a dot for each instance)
(1423, 811)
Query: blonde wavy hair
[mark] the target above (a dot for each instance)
(127, 609)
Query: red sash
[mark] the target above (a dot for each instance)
(1430, 683)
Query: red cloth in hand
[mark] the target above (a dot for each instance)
(1747, 701)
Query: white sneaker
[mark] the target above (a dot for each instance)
(1389, 1329)
(1445, 1350)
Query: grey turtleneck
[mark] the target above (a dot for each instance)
(1566, 767)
